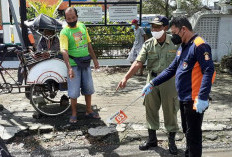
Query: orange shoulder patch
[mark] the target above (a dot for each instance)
(214, 76)
(198, 41)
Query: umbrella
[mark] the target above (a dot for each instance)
(45, 22)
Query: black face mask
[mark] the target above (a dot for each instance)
(72, 24)
(176, 39)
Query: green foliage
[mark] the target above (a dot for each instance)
(43, 8)
(192, 6)
(111, 38)
(125, 33)
(163, 7)
(157, 7)
(30, 13)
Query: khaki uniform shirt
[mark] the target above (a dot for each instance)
(158, 57)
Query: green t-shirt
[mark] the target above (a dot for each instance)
(75, 40)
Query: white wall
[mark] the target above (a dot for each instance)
(6, 21)
(224, 36)
(206, 23)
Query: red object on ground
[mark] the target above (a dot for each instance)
(121, 117)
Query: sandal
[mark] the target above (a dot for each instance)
(73, 119)
(92, 115)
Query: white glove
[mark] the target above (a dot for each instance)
(201, 105)
(147, 89)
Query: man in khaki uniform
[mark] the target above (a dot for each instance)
(159, 52)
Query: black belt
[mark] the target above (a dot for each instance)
(187, 102)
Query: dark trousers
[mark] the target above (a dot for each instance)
(191, 124)
(20, 75)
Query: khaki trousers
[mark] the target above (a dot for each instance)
(165, 95)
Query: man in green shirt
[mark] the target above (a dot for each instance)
(159, 52)
(75, 43)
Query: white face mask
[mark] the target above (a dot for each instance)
(157, 35)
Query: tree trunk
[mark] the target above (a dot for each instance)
(166, 8)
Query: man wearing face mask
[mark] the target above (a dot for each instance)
(140, 37)
(193, 69)
(48, 41)
(75, 45)
(159, 52)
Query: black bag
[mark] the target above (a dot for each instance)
(82, 62)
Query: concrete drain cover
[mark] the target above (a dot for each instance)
(101, 131)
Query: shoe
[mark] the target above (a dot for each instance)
(151, 142)
(171, 143)
(146, 145)
(19, 83)
(92, 115)
(73, 119)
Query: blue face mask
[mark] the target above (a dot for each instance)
(133, 26)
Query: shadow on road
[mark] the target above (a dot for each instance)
(165, 153)
(31, 141)
(104, 145)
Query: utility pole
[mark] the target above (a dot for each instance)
(16, 24)
(23, 14)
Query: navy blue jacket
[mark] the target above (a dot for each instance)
(193, 68)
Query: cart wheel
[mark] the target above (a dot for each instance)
(48, 100)
(6, 88)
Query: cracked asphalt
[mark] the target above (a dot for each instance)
(54, 136)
